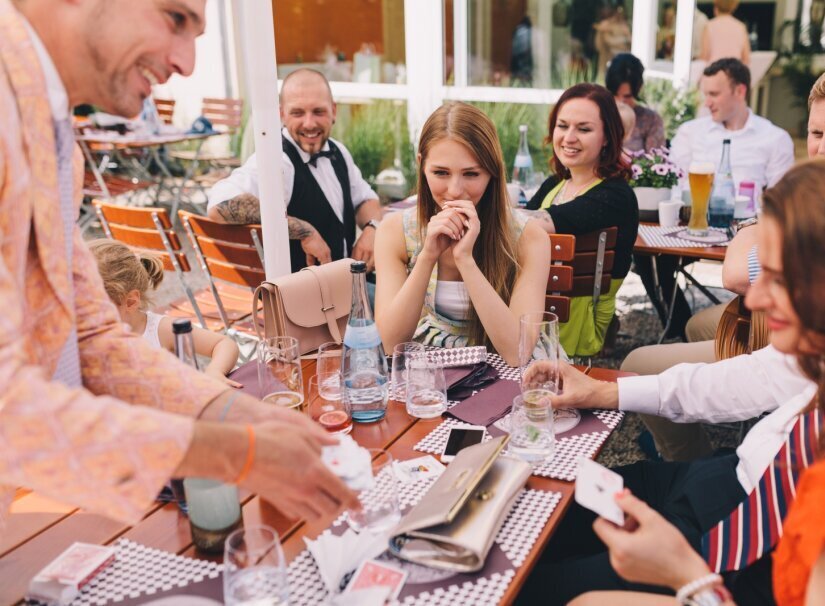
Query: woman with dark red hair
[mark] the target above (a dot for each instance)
(588, 191)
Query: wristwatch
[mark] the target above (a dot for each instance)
(371, 223)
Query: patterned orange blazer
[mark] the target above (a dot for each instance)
(109, 446)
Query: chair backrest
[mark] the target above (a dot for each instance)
(166, 109)
(580, 266)
(740, 331)
(231, 253)
(224, 114)
(147, 227)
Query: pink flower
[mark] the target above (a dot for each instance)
(637, 171)
(660, 169)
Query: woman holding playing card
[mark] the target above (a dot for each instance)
(649, 549)
(461, 267)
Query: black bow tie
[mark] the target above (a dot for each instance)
(313, 159)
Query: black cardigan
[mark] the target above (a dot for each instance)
(611, 202)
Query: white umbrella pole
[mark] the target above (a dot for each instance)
(258, 37)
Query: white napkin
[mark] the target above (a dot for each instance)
(350, 462)
(337, 556)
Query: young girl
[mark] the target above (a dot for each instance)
(461, 267)
(128, 276)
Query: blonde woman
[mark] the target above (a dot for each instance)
(725, 36)
(128, 276)
(461, 267)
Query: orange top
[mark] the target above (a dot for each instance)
(803, 539)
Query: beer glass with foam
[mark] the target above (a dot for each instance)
(700, 176)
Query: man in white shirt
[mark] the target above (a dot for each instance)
(761, 152)
(325, 192)
(693, 496)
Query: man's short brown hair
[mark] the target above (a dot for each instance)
(736, 71)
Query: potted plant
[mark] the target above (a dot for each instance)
(653, 175)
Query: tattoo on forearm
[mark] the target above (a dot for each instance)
(298, 229)
(541, 215)
(243, 209)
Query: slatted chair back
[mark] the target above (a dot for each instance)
(224, 114)
(231, 253)
(166, 109)
(580, 266)
(148, 228)
(740, 331)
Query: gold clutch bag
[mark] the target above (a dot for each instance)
(455, 523)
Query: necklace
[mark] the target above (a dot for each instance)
(563, 197)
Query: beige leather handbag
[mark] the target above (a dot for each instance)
(311, 305)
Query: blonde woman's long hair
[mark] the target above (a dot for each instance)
(124, 270)
(495, 249)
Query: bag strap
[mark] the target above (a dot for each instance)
(266, 293)
(327, 305)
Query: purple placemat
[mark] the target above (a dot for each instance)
(488, 405)
(247, 375)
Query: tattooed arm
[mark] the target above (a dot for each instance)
(543, 218)
(245, 209)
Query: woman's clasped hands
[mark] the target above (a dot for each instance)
(456, 226)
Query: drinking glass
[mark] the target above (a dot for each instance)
(329, 361)
(332, 413)
(700, 177)
(279, 372)
(426, 388)
(539, 355)
(380, 508)
(214, 512)
(254, 568)
(401, 353)
(531, 430)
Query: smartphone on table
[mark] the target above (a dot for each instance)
(461, 437)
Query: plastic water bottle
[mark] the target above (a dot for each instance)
(523, 165)
(723, 197)
(364, 365)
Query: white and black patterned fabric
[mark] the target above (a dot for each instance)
(656, 235)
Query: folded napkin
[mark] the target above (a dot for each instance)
(458, 356)
(488, 405)
(464, 380)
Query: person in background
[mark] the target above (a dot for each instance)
(327, 198)
(612, 35)
(689, 441)
(628, 117)
(624, 78)
(128, 276)
(649, 549)
(115, 417)
(761, 152)
(725, 36)
(700, 20)
(461, 267)
(588, 191)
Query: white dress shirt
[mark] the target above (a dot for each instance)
(244, 180)
(760, 151)
(736, 389)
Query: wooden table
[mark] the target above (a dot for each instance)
(38, 529)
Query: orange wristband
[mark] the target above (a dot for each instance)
(250, 456)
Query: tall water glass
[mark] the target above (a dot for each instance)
(279, 372)
(700, 177)
(531, 430)
(401, 354)
(380, 507)
(329, 362)
(426, 388)
(254, 568)
(333, 414)
(539, 355)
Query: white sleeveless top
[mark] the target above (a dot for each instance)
(452, 300)
(150, 333)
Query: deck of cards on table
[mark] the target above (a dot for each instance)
(61, 580)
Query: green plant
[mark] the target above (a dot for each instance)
(507, 117)
(799, 70)
(674, 105)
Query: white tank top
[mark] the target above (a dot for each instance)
(452, 300)
(150, 333)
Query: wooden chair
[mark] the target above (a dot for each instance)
(230, 253)
(166, 109)
(580, 267)
(150, 229)
(740, 331)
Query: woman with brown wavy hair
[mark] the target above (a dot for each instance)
(588, 191)
(789, 290)
(459, 268)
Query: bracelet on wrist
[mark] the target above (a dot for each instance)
(696, 588)
(710, 596)
(250, 455)
(228, 405)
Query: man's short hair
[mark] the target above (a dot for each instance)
(736, 71)
(817, 91)
(302, 71)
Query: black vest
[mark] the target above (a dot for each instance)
(309, 204)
